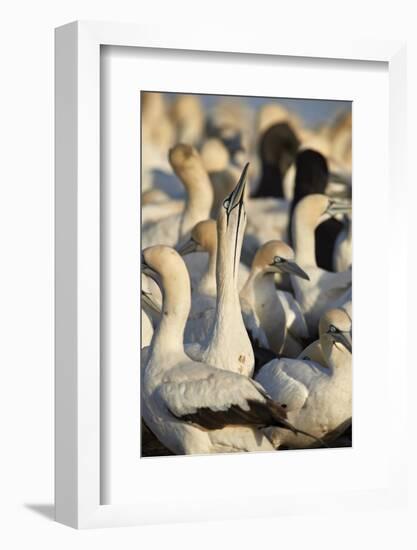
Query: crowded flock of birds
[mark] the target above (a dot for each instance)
(246, 321)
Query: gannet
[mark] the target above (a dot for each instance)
(273, 318)
(313, 351)
(312, 176)
(227, 344)
(187, 165)
(192, 407)
(325, 290)
(278, 148)
(317, 399)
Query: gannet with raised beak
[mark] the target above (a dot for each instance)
(318, 399)
(267, 216)
(227, 344)
(325, 289)
(192, 407)
(272, 317)
(187, 165)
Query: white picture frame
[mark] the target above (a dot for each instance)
(77, 242)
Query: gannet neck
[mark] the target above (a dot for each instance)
(227, 302)
(187, 165)
(228, 335)
(303, 237)
(168, 337)
(197, 206)
(262, 296)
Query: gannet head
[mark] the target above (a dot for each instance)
(236, 197)
(335, 329)
(163, 263)
(233, 209)
(279, 146)
(317, 208)
(183, 157)
(187, 165)
(277, 257)
(231, 222)
(203, 239)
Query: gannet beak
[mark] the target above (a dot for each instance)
(236, 196)
(288, 266)
(344, 338)
(188, 247)
(147, 299)
(339, 206)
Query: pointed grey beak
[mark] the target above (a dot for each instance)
(188, 247)
(344, 338)
(339, 206)
(148, 300)
(288, 266)
(236, 196)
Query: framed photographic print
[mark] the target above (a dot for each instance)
(211, 194)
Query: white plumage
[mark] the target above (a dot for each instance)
(227, 345)
(200, 256)
(197, 360)
(318, 398)
(193, 407)
(273, 318)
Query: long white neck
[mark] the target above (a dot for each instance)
(198, 205)
(228, 342)
(260, 293)
(227, 302)
(303, 235)
(168, 337)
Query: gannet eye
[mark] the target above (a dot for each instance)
(332, 328)
(226, 203)
(278, 259)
